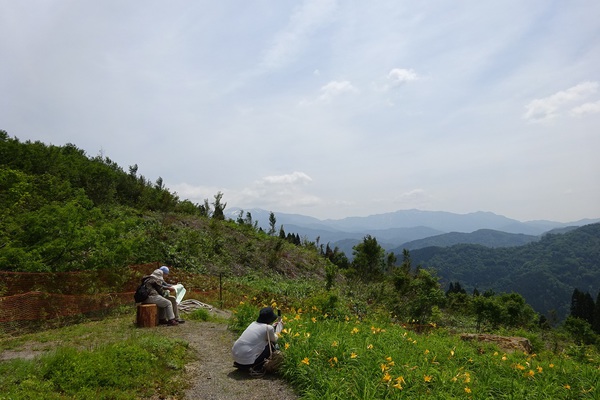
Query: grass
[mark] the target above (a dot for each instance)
(108, 359)
(335, 355)
(330, 353)
(350, 358)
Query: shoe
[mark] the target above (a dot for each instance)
(257, 371)
(163, 321)
(181, 321)
(172, 322)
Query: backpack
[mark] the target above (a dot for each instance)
(141, 292)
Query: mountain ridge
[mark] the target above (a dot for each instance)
(396, 228)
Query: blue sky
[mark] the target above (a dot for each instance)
(323, 108)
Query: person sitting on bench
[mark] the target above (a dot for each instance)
(154, 283)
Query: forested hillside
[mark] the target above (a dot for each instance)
(484, 237)
(544, 272)
(61, 210)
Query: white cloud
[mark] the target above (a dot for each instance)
(587, 108)
(196, 194)
(551, 106)
(281, 191)
(336, 88)
(398, 76)
(293, 178)
(284, 191)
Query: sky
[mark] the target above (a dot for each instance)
(323, 108)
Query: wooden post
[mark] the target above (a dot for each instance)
(147, 315)
(221, 289)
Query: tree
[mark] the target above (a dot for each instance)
(281, 232)
(507, 309)
(218, 207)
(204, 209)
(596, 320)
(390, 262)
(580, 330)
(455, 288)
(406, 262)
(272, 222)
(582, 306)
(369, 259)
(425, 294)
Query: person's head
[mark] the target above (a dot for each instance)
(165, 270)
(266, 316)
(158, 274)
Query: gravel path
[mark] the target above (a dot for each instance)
(212, 374)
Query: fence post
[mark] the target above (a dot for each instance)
(221, 289)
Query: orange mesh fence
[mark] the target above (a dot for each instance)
(42, 306)
(38, 300)
(77, 282)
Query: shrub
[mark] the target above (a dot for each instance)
(200, 314)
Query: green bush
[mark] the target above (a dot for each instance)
(243, 316)
(201, 314)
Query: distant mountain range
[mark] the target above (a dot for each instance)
(413, 229)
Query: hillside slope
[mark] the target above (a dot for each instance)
(544, 272)
(484, 237)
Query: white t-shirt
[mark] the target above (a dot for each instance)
(252, 342)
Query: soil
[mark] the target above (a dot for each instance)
(213, 376)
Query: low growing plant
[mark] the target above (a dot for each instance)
(139, 365)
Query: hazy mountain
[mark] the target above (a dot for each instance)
(394, 229)
(484, 237)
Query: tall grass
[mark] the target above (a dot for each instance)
(369, 359)
(346, 357)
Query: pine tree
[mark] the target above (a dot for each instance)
(272, 222)
(218, 207)
(582, 306)
(596, 319)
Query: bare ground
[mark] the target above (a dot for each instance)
(212, 375)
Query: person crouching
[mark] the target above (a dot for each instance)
(255, 344)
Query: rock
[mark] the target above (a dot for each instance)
(506, 343)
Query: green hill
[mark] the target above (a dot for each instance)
(61, 210)
(484, 237)
(544, 272)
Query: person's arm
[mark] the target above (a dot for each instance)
(272, 335)
(156, 286)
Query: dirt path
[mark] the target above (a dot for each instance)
(213, 376)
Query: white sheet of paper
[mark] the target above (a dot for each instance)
(179, 292)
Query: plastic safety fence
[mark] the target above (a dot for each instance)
(37, 305)
(33, 300)
(76, 282)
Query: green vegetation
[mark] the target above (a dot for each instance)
(376, 327)
(544, 272)
(368, 359)
(337, 354)
(108, 360)
(63, 211)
